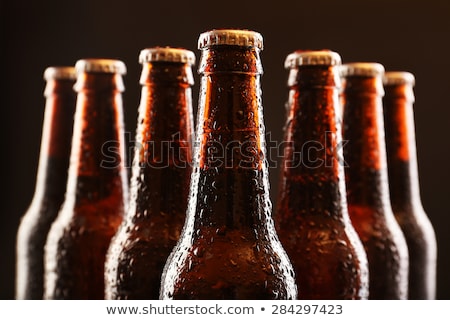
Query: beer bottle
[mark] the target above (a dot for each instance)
(228, 248)
(311, 215)
(367, 181)
(404, 184)
(96, 187)
(50, 183)
(160, 176)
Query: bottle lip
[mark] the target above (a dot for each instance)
(234, 37)
(60, 72)
(364, 69)
(101, 66)
(398, 78)
(167, 54)
(312, 57)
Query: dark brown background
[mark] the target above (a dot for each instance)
(406, 35)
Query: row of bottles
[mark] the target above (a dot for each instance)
(197, 222)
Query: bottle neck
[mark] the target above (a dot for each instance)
(229, 186)
(97, 156)
(163, 151)
(365, 150)
(401, 146)
(312, 158)
(56, 139)
(165, 124)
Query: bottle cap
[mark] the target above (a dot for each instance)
(233, 37)
(398, 77)
(319, 57)
(167, 54)
(101, 65)
(63, 72)
(365, 69)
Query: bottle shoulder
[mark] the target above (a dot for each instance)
(377, 216)
(378, 229)
(87, 218)
(229, 261)
(415, 223)
(42, 210)
(318, 233)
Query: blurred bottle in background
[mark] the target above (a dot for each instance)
(312, 220)
(367, 181)
(404, 184)
(160, 176)
(50, 183)
(97, 187)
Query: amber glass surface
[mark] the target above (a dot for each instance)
(229, 248)
(368, 190)
(159, 183)
(50, 188)
(96, 192)
(311, 217)
(404, 190)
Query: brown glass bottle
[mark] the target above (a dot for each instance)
(367, 181)
(404, 184)
(50, 183)
(311, 215)
(160, 176)
(96, 188)
(229, 248)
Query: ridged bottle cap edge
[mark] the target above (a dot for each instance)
(60, 72)
(319, 57)
(364, 69)
(236, 37)
(398, 78)
(101, 66)
(167, 54)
